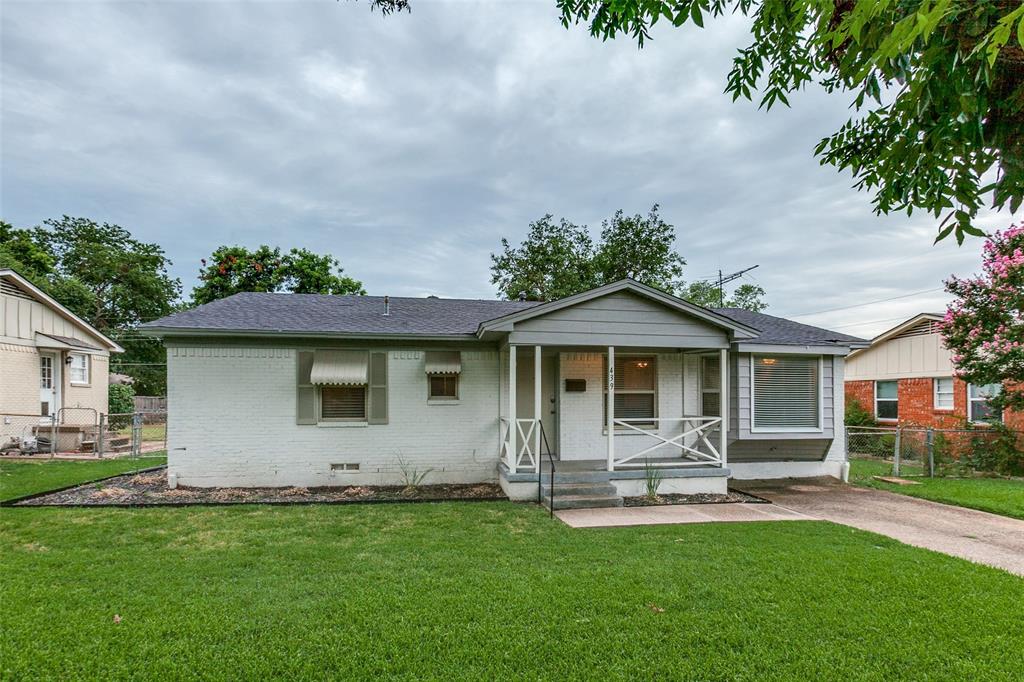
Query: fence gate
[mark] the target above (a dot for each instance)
(133, 433)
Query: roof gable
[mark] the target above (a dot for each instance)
(506, 323)
(17, 286)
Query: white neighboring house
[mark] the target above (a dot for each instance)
(52, 362)
(311, 390)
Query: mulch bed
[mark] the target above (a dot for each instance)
(150, 488)
(696, 498)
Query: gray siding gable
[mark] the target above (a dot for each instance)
(621, 319)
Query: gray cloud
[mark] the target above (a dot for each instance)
(408, 146)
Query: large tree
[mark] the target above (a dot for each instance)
(984, 325)
(558, 259)
(234, 269)
(937, 87)
(105, 276)
(641, 248)
(126, 280)
(554, 261)
(706, 293)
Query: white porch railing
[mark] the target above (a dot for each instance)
(527, 436)
(695, 431)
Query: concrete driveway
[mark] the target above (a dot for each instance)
(973, 535)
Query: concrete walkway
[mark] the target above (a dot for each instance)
(973, 535)
(677, 513)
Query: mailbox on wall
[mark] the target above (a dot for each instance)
(575, 385)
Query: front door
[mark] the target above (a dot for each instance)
(49, 384)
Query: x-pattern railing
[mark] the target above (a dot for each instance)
(525, 457)
(699, 433)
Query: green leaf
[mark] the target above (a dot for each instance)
(696, 15)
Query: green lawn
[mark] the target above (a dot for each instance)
(18, 478)
(996, 495)
(485, 591)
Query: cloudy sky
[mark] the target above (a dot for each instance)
(407, 146)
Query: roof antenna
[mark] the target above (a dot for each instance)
(522, 295)
(387, 305)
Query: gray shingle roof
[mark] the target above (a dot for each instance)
(780, 331)
(318, 314)
(315, 313)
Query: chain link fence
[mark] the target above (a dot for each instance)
(917, 451)
(25, 434)
(83, 433)
(132, 433)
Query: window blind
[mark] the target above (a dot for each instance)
(786, 392)
(343, 402)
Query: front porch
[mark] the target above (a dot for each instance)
(588, 425)
(666, 409)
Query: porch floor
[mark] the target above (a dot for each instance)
(597, 470)
(571, 465)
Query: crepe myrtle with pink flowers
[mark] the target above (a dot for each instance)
(984, 325)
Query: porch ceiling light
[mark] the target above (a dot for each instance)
(768, 361)
(641, 363)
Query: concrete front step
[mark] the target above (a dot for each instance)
(581, 495)
(566, 477)
(578, 488)
(584, 501)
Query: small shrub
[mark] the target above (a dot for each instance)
(121, 398)
(120, 401)
(412, 477)
(857, 414)
(995, 450)
(652, 480)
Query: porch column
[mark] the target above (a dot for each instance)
(513, 425)
(536, 407)
(723, 408)
(611, 408)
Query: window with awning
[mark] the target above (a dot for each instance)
(335, 385)
(443, 368)
(443, 362)
(340, 368)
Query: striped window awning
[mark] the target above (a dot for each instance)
(339, 368)
(444, 362)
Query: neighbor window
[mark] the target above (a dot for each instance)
(887, 400)
(635, 389)
(711, 386)
(443, 386)
(786, 393)
(79, 368)
(343, 403)
(978, 407)
(943, 393)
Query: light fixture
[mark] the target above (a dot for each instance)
(641, 364)
(768, 361)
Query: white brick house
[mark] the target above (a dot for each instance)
(308, 390)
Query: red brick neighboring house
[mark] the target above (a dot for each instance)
(906, 377)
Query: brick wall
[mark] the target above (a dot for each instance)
(917, 404)
(862, 392)
(231, 422)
